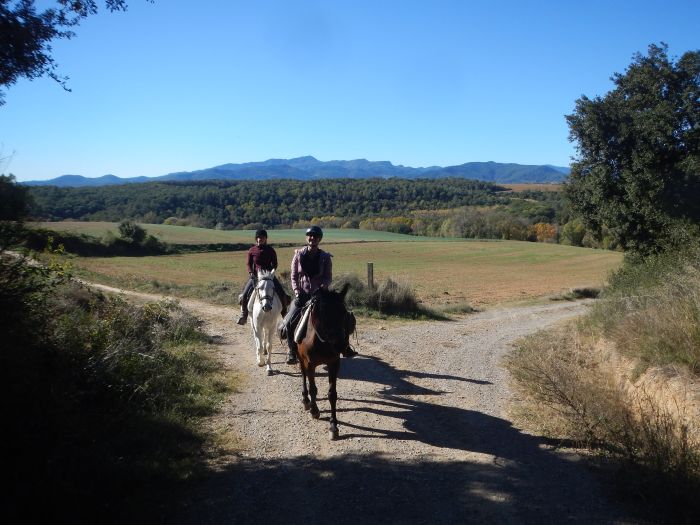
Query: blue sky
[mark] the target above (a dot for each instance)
(182, 85)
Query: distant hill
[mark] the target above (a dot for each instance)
(75, 181)
(309, 168)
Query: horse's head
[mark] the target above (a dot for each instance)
(265, 289)
(329, 316)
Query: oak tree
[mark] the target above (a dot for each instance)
(637, 171)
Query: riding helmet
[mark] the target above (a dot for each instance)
(260, 233)
(315, 230)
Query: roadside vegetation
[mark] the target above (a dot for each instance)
(104, 399)
(388, 298)
(625, 379)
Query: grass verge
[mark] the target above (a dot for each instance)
(625, 381)
(108, 399)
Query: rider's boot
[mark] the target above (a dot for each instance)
(244, 313)
(349, 352)
(292, 356)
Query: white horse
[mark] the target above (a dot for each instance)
(266, 308)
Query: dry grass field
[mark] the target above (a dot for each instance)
(479, 273)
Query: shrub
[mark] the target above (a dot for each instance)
(572, 389)
(651, 311)
(573, 232)
(101, 390)
(388, 298)
(131, 232)
(611, 380)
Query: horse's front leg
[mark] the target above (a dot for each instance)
(311, 372)
(304, 390)
(333, 369)
(267, 345)
(257, 335)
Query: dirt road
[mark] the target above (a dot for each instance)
(424, 438)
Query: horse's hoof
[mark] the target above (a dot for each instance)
(333, 434)
(307, 404)
(261, 364)
(270, 372)
(315, 413)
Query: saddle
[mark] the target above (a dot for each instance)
(300, 331)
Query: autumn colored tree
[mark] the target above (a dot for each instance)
(544, 232)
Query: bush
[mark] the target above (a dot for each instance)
(389, 298)
(651, 311)
(131, 232)
(572, 389)
(106, 397)
(622, 378)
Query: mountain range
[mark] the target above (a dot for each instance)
(309, 168)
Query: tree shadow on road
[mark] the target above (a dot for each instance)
(512, 477)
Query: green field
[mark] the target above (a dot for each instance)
(192, 235)
(442, 272)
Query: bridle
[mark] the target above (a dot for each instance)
(266, 297)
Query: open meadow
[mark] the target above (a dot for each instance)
(191, 235)
(443, 272)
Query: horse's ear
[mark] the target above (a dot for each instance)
(344, 290)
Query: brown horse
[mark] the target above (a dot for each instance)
(327, 334)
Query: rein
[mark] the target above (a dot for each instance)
(262, 298)
(312, 305)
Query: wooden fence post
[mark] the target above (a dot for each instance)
(370, 275)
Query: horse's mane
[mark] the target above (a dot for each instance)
(326, 300)
(264, 274)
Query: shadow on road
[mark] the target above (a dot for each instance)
(512, 478)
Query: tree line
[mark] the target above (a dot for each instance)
(241, 204)
(433, 207)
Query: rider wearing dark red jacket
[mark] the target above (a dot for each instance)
(261, 256)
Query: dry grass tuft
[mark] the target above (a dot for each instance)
(575, 386)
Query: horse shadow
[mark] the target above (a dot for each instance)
(498, 474)
(395, 381)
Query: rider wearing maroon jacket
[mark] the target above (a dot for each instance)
(261, 256)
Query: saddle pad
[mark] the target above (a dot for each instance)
(300, 332)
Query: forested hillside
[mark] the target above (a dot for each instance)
(237, 204)
(446, 208)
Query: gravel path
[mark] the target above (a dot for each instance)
(424, 434)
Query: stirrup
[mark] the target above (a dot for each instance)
(242, 319)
